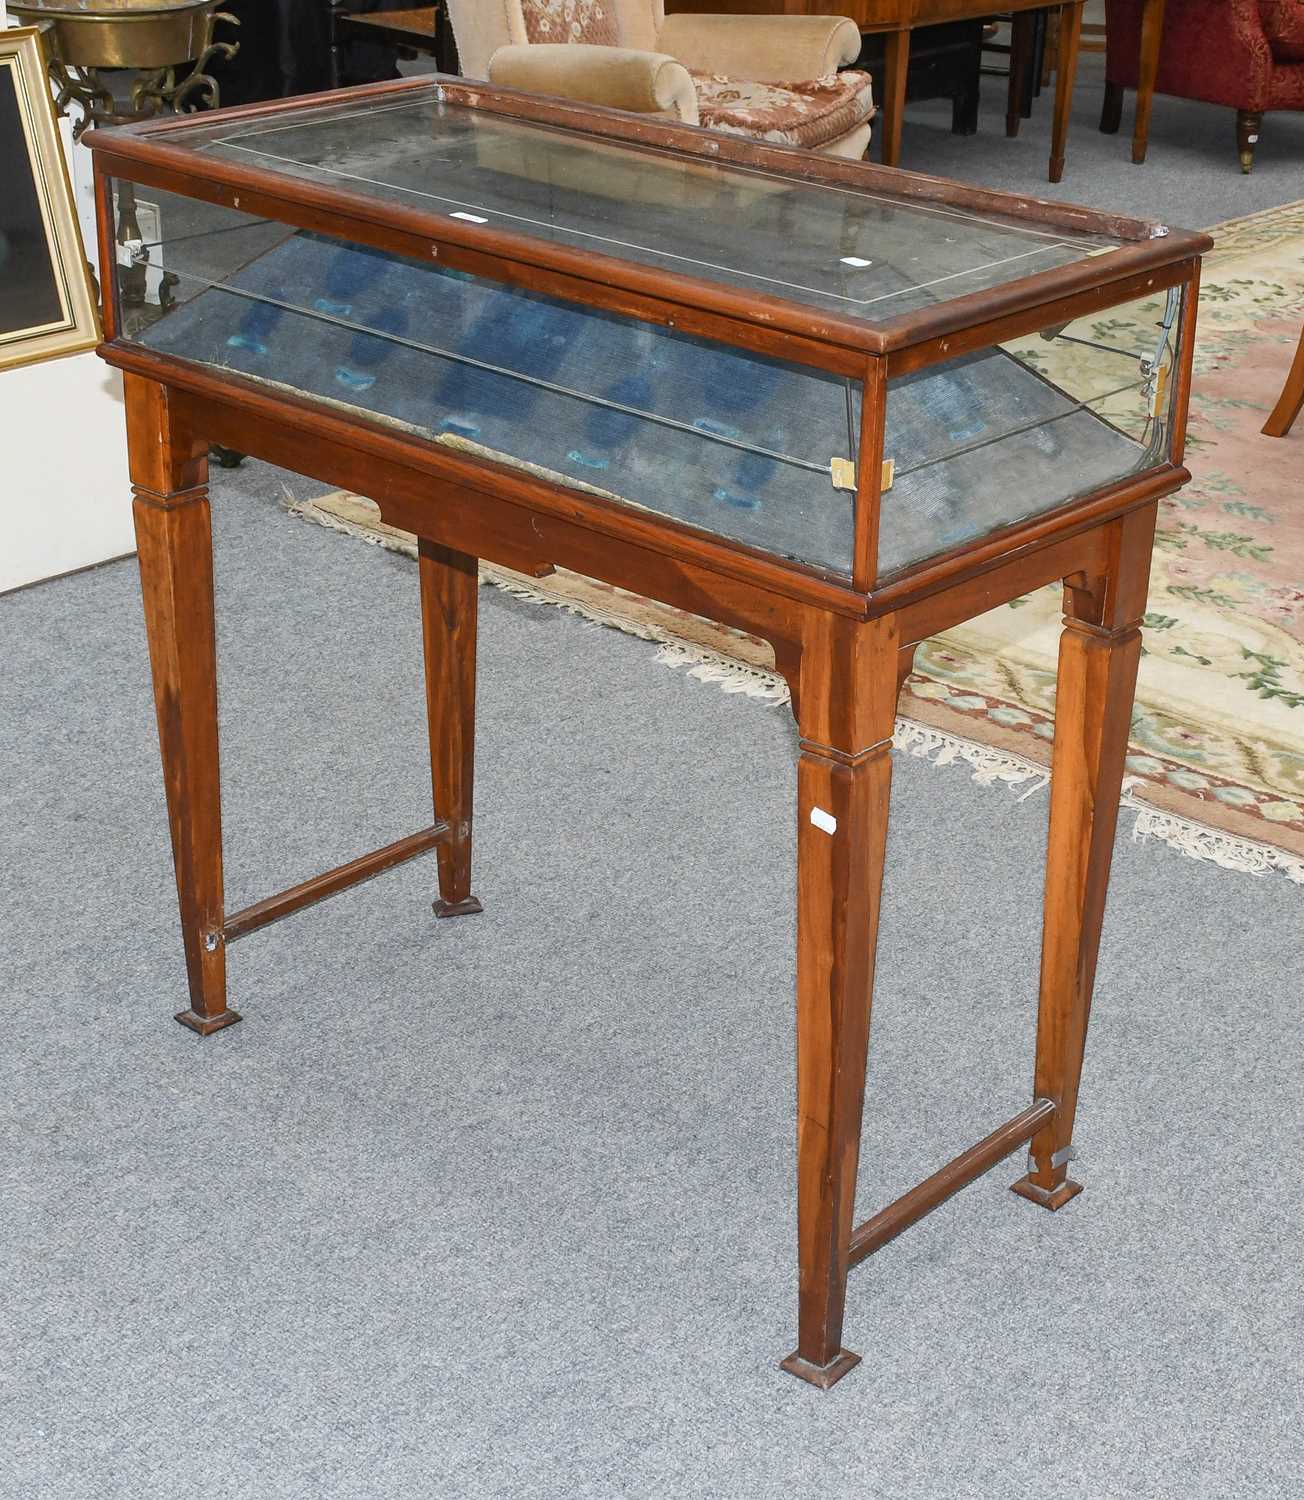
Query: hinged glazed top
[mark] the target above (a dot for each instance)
(863, 246)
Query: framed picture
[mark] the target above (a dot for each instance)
(47, 307)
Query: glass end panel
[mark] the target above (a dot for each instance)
(750, 448)
(1009, 432)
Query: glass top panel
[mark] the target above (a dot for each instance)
(857, 252)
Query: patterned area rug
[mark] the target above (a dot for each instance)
(1217, 762)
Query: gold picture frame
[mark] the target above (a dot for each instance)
(47, 305)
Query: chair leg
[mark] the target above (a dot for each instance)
(1152, 29)
(1291, 399)
(1066, 66)
(1247, 135)
(1021, 64)
(964, 110)
(1049, 49)
(1111, 109)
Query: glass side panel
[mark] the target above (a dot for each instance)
(1009, 432)
(715, 436)
(864, 254)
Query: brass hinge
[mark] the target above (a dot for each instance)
(844, 473)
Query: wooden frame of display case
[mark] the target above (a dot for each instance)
(844, 644)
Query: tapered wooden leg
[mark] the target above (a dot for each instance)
(449, 598)
(174, 541)
(1099, 652)
(1152, 28)
(892, 104)
(1066, 67)
(842, 808)
(1291, 399)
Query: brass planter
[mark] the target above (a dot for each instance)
(168, 44)
(145, 34)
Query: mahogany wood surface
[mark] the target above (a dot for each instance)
(1022, 26)
(756, 321)
(308, 892)
(843, 643)
(1291, 399)
(405, 28)
(450, 583)
(155, 154)
(1152, 30)
(1066, 68)
(869, 477)
(169, 470)
(1185, 365)
(1111, 109)
(892, 95)
(1100, 649)
(910, 1207)
(844, 777)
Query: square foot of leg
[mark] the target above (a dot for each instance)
(822, 1376)
(465, 908)
(207, 1025)
(1051, 1198)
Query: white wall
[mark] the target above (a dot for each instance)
(65, 499)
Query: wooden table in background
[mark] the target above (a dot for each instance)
(897, 18)
(423, 28)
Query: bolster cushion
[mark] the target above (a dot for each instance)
(619, 77)
(766, 49)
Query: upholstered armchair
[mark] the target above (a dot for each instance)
(1247, 54)
(774, 78)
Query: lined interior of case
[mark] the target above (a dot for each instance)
(718, 437)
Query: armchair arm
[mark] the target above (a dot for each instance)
(646, 82)
(763, 49)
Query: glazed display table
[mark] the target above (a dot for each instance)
(839, 407)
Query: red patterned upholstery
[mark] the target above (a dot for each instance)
(1218, 51)
(1283, 22)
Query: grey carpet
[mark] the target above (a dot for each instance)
(1191, 177)
(503, 1206)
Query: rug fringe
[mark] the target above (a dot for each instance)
(1197, 841)
(987, 766)
(728, 674)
